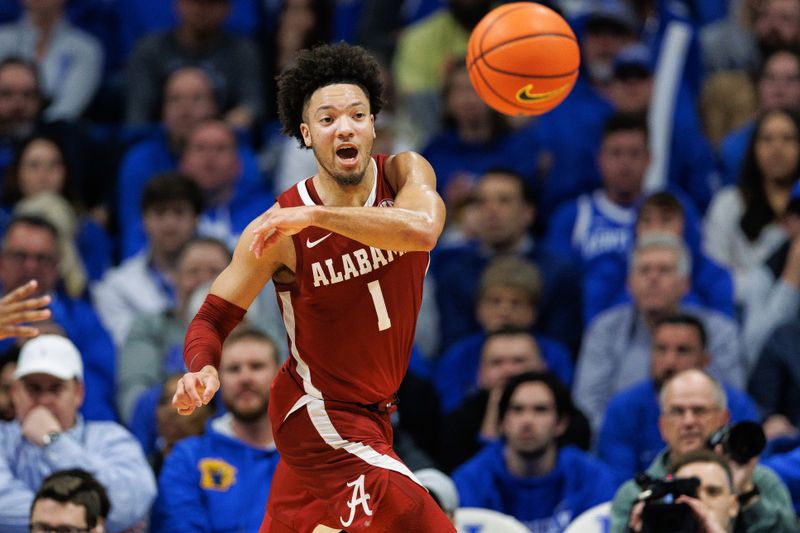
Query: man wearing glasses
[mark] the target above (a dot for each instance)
(693, 406)
(30, 251)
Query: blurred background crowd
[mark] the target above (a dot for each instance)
(648, 225)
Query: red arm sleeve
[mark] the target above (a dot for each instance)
(208, 330)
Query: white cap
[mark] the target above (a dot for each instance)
(440, 485)
(50, 354)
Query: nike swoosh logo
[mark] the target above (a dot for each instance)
(526, 95)
(312, 244)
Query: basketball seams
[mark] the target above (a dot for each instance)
(502, 97)
(484, 53)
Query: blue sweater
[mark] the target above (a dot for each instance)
(457, 271)
(629, 439)
(545, 504)
(213, 482)
(455, 372)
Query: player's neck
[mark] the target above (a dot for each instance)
(333, 192)
(256, 433)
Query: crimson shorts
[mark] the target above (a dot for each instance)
(338, 469)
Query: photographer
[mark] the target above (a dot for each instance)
(711, 507)
(693, 407)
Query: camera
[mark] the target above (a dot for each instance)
(741, 441)
(661, 514)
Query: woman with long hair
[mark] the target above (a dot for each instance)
(743, 226)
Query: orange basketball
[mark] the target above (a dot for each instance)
(523, 58)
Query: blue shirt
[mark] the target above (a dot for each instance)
(213, 482)
(546, 504)
(629, 438)
(104, 449)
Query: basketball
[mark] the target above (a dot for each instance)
(523, 59)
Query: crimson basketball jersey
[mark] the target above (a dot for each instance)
(351, 312)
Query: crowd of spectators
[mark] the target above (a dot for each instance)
(617, 279)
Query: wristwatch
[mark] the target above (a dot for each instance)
(50, 438)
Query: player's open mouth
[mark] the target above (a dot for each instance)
(347, 154)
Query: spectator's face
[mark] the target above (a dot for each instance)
(654, 281)
(631, 92)
(463, 103)
(246, 373)
(777, 23)
(531, 425)
(714, 491)
(203, 16)
(504, 216)
(623, 160)
(779, 85)
(169, 225)
(199, 264)
(502, 306)
(654, 219)
(676, 347)
(6, 382)
(19, 98)
(61, 397)
(338, 127)
(504, 356)
(29, 252)
(52, 514)
(599, 46)
(690, 413)
(188, 101)
(777, 147)
(41, 168)
(210, 158)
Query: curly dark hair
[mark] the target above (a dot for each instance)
(321, 66)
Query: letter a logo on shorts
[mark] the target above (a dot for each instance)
(360, 497)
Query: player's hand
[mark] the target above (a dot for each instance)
(195, 389)
(277, 223)
(17, 308)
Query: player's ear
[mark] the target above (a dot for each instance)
(372, 121)
(306, 133)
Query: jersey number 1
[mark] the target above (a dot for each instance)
(384, 322)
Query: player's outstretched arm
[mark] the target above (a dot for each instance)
(413, 224)
(17, 307)
(231, 294)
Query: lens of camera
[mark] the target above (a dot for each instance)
(745, 441)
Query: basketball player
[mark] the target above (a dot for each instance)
(347, 250)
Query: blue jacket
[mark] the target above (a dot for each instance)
(82, 326)
(457, 270)
(213, 482)
(544, 504)
(450, 156)
(455, 372)
(148, 158)
(732, 150)
(629, 439)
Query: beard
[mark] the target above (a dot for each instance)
(249, 414)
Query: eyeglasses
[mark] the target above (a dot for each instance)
(41, 527)
(20, 256)
(697, 411)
